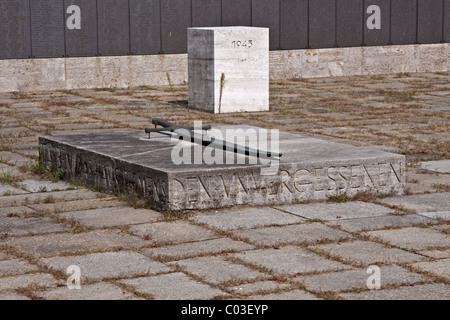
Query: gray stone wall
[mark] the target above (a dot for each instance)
(132, 71)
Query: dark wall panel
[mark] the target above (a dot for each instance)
(236, 13)
(266, 13)
(37, 28)
(113, 27)
(145, 26)
(82, 42)
(430, 21)
(403, 21)
(322, 23)
(294, 24)
(349, 23)
(176, 18)
(47, 28)
(446, 21)
(206, 13)
(14, 29)
(377, 37)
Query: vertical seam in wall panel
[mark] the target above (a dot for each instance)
(417, 21)
(336, 23)
(390, 22)
(443, 22)
(160, 28)
(251, 12)
(31, 29)
(64, 28)
(308, 28)
(98, 34)
(129, 28)
(363, 38)
(279, 24)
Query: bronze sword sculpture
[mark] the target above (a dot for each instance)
(188, 134)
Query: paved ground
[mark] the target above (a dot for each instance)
(308, 251)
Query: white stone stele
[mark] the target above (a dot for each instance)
(228, 69)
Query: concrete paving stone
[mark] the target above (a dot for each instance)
(117, 216)
(216, 270)
(436, 254)
(65, 243)
(174, 286)
(8, 190)
(13, 132)
(337, 211)
(45, 186)
(444, 215)
(98, 266)
(289, 295)
(89, 124)
(439, 268)
(422, 202)
(229, 219)
(15, 266)
(258, 286)
(413, 238)
(14, 158)
(418, 292)
(441, 166)
(367, 253)
(49, 197)
(4, 256)
(76, 205)
(353, 279)
(13, 211)
(444, 228)
(17, 227)
(26, 280)
(9, 169)
(96, 291)
(364, 224)
(10, 122)
(191, 249)
(419, 182)
(12, 296)
(289, 260)
(292, 234)
(172, 232)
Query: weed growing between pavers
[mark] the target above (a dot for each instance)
(47, 172)
(133, 200)
(360, 196)
(6, 176)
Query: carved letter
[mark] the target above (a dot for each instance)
(368, 175)
(302, 185)
(192, 189)
(331, 179)
(178, 192)
(203, 188)
(344, 173)
(397, 175)
(355, 177)
(285, 178)
(319, 175)
(384, 172)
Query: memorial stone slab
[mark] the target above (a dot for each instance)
(228, 69)
(309, 169)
